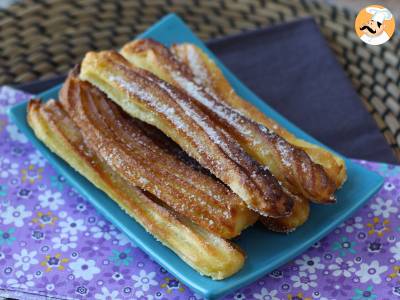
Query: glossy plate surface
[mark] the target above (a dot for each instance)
(265, 250)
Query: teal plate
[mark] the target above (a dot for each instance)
(265, 250)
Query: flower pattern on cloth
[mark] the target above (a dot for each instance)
(53, 242)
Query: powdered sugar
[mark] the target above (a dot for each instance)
(199, 71)
(143, 181)
(305, 167)
(141, 93)
(172, 115)
(233, 117)
(200, 120)
(284, 151)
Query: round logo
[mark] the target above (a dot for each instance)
(374, 24)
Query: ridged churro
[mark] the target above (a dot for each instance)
(206, 73)
(154, 101)
(289, 164)
(205, 252)
(127, 148)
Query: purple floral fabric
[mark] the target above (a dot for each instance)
(53, 242)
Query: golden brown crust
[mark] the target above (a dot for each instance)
(300, 214)
(205, 252)
(207, 73)
(289, 164)
(130, 151)
(158, 103)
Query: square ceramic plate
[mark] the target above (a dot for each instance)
(265, 250)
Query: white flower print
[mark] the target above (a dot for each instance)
(25, 259)
(7, 97)
(64, 242)
(309, 264)
(107, 295)
(104, 230)
(141, 295)
(84, 269)
(341, 267)
(317, 295)
(144, 280)
(21, 280)
(352, 224)
(72, 226)
(396, 250)
(37, 159)
(304, 280)
(383, 208)
(371, 272)
(15, 215)
(124, 240)
(51, 200)
(15, 134)
(266, 295)
(388, 186)
(7, 168)
(81, 207)
(239, 296)
(117, 276)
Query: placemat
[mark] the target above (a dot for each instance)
(41, 38)
(52, 241)
(291, 67)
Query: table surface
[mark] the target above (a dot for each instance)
(356, 5)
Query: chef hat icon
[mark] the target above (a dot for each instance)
(379, 14)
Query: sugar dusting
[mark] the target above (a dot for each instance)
(143, 181)
(199, 71)
(172, 115)
(208, 199)
(285, 153)
(202, 121)
(233, 117)
(161, 107)
(169, 109)
(305, 167)
(207, 210)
